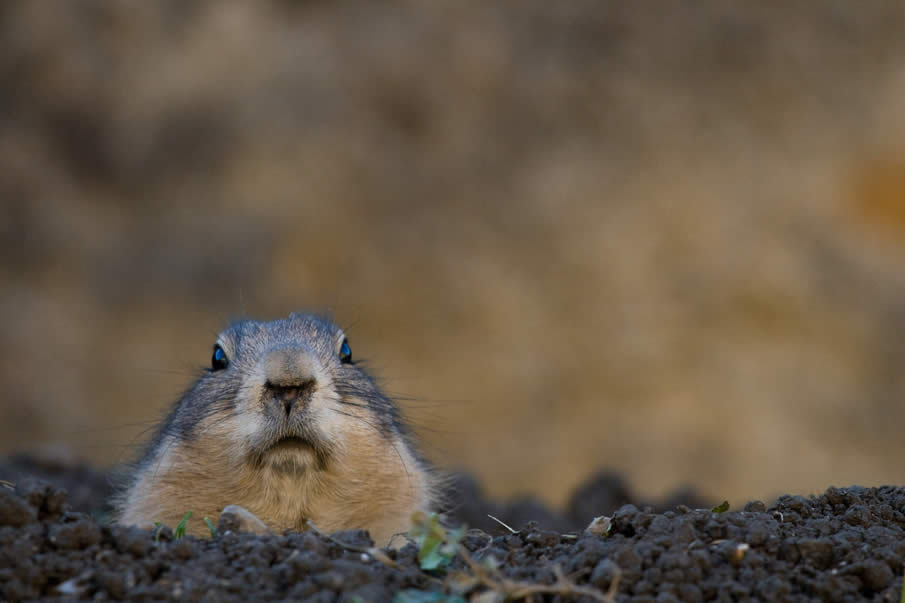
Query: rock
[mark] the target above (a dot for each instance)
(755, 506)
(817, 551)
(235, 518)
(46, 498)
(75, 535)
(132, 540)
(876, 575)
(604, 573)
(600, 526)
(14, 510)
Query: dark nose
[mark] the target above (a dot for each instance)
(285, 396)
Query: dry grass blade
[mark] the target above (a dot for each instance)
(514, 590)
(373, 551)
(482, 573)
(563, 587)
(499, 521)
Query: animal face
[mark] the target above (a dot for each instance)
(286, 394)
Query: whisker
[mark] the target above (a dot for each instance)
(377, 429)
(355, 404)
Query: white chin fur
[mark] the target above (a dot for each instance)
(291, 461)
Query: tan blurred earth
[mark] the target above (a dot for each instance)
(663, 238)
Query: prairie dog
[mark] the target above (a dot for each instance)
(285, 424)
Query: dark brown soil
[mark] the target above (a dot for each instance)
(847, 544)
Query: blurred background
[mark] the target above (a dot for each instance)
(664, 238)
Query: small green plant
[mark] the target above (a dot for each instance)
(210, 526)
(158, 528)
(437, 546)
(418, 596)
(179, 532)
(722, 507)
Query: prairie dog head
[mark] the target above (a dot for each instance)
(285, 395)
(287, 425)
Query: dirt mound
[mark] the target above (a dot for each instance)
(88, 489)
(465, 501)
(602, 494)
(845, 545)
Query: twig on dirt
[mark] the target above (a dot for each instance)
(563, 586)
(7, 484)
(499, 521)
(569, 536)
(483, 574)
(478, 554)
(373, 551)
(515, 589)
(614, 586)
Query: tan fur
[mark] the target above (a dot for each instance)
(372, 484)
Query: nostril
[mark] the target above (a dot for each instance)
(286, 395)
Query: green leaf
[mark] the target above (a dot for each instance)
(211, 526)
(159, 526)
(179, 532)
(432, 536)
(454, 537)
(722, 507)
(418, 596)
(437, 547)
(434, 560)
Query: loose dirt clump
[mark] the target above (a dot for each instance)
(847, 544)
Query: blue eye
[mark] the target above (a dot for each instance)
(219, 361)
(345, 352)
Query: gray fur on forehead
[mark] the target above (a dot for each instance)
(317, 331)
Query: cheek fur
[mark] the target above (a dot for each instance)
(241, 426)
(325, 414)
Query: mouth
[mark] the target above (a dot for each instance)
(291, 443)
(293, 454)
